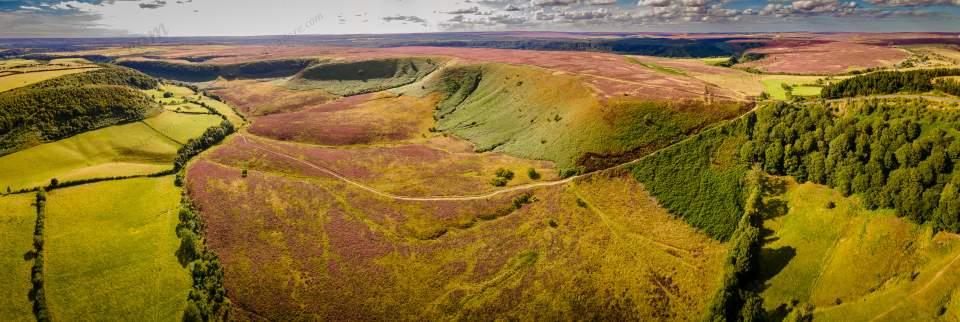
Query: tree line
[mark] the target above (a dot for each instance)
(887, 82)
(947, 85)
(737, 298)
(207, 300)
(210, 137)
(37, 293)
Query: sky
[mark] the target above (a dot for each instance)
(160, 18)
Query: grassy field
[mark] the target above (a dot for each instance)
(224, 109)
(182, 127)
(179, 94)
(17, 218)
(19, 80)
(773, 85)
(853, 264)
(136, 148)
(186, 108)
(110, 252)
(714, 61)
(127, 149)
(659, 68)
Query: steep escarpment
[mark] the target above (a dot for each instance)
(193, 72)
(535, 113)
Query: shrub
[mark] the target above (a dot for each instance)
(533, 174)
(505, 173)
(581, 203)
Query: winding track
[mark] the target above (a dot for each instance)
(248, 137)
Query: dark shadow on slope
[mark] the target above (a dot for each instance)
(773, 261)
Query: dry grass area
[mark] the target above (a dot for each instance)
(437, 166)
(259, 97)
(823, 57)
(610, 74)
(364, 119)
(316, 249)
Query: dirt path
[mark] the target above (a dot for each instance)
(340, 177)
(247, 138)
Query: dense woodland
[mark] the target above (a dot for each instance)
(887, 82)
(35, 115)
(737, 298)
(64, 106)
(894, 153)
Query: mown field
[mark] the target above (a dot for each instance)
(110, 252)
(12, 81)
(17, 72)
(17, 217)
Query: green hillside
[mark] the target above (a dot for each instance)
(359, 77)
(68, 105)
(532, 113)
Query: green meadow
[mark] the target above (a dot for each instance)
(774, 87)
(132, 149)
(17, 218)
(854, 264)
(110, 252)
